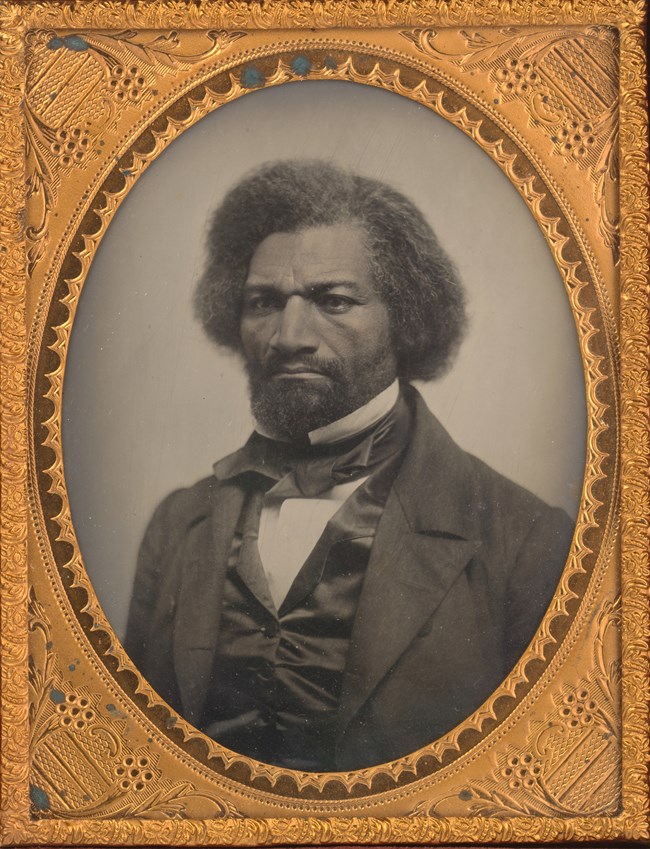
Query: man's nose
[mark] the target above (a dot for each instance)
(294, 330)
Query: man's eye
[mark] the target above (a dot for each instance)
(260, 303)
(335, 303)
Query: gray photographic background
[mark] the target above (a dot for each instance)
(149, 404)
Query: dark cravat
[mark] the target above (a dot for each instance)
(307, 471)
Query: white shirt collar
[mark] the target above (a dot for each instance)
(354, 422)
(358, 420)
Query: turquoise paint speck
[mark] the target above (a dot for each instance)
(252, 78)
(330, 63)
(72, 42)
(465, 795)
(72, 667)
(39, 798)
(301, 66)
(57, 696)
(75, 42)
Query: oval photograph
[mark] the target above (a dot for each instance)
(324, 426)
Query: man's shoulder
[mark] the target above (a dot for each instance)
(186, 506)
(503, 492)
(475, 491)
(523, 516)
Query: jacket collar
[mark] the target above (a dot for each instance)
(427, 535)
(203, 564)
(444, 500)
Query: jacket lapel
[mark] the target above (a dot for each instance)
(424, 540)
(204, 564)
(405, 583)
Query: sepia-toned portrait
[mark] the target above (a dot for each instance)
(338, 443)
(323, 367)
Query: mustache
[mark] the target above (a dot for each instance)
(277, 362)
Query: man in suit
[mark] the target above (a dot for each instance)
(350, 584)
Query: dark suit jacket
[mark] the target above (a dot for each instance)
(462, 569)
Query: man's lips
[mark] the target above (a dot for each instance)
(297, 372)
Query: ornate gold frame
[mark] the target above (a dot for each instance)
(92, 93)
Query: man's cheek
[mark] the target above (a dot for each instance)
(250, 342)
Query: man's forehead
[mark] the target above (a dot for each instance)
(330, 250)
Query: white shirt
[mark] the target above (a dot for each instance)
(290, 527)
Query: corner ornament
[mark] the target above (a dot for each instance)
(81, 763)
(568, 83)
(570, 765)
(95, 77)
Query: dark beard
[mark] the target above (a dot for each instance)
(290, 409)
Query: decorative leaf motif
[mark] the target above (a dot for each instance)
(160, 52)
(475, 40)
(150, 53)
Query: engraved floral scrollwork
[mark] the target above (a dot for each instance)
(11, 42)
(81, 763)
(571, 765)
(568, 83)
(164, 52)
(278, 14)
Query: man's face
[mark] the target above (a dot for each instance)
(314, 332)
